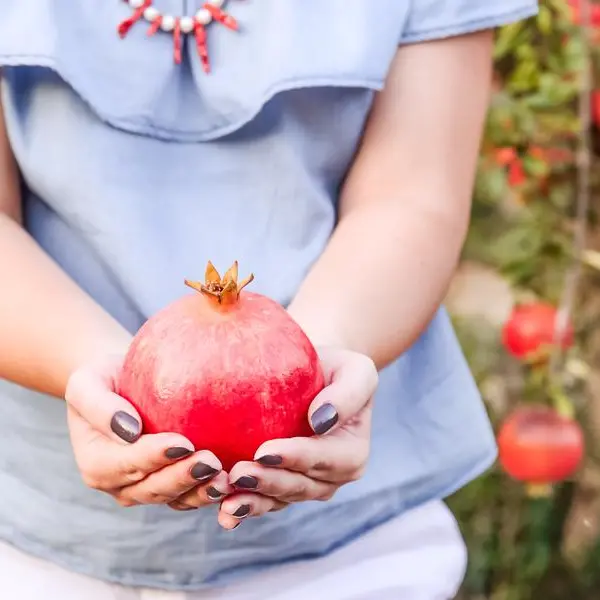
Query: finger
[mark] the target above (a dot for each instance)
(106, 465)
(353, 381)
(91, 393)
(181, 507)
(287, 486)
(337, 458)
(242, 506)
(205, 494)
(167, 484)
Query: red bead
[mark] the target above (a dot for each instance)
(177, 41)
(221, 16)
(127, 24)
(155, 26)
(200, 34)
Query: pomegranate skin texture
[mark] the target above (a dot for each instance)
(227, 369)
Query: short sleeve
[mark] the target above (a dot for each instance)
(432, 19)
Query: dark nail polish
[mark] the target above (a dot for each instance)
(214, 493)
(128, 428)
(246, 482)
(324, 418)
(202, 472)
(270, 460)
(235, 526)
(242, 511)
(177, 452)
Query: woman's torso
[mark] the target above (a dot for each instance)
(137, 171)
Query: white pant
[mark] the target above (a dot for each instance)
(417, 556)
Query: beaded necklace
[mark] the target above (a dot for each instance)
(211, 11)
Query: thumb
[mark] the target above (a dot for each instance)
(90, 393)
(352, 379)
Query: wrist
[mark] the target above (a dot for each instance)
(113, 341)
(320, 332)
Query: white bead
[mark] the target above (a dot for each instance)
(217, 3)
(168, 23)
(150, 14)
(187, 24)
(203, 17)
(136, 3)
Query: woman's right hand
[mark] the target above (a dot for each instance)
(115, 457)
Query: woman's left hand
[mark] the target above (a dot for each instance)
(300, 469)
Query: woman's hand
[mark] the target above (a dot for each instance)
(300, 469)
(114, 457)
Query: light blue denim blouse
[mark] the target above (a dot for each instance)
(137, 171)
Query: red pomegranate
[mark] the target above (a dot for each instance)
(576, 13)
(528, 333)
(538, 446)
(505, 156)
(227, 369)
(516, 173)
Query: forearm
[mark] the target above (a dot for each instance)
(380, 280)
(405, 204)
(48, 325)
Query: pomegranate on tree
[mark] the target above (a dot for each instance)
(539, 446)
(516, 173)
(226, 368)
(529, 332)
(505, 156)
(576, 12)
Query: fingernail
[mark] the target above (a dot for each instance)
(235, 526)
(242, 511)
(202, 472)
(177, 452)
(214, 493)
(324, 418)
(128, 428)
(270, 460)
(246, 482)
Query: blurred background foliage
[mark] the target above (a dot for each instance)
(521, 247)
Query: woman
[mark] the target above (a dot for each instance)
(331, 148)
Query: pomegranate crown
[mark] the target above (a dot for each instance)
(226, 289)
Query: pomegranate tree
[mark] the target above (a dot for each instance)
(539, 446)
(226, 368)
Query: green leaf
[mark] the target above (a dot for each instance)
(544, 20)
(536, 167)
(494, 183)
(506, 39)
(525, 76)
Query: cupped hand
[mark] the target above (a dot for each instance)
(302, 469)
(115, 457)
